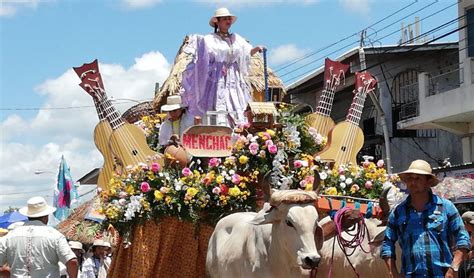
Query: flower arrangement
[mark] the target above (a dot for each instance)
(366, 180)
(151, 126)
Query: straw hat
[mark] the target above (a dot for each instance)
(419, 167)
(99, 242)
(221, 12)
(76, 245)
(173, 103)
(37, 207)
(468, 217)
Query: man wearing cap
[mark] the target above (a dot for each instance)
(34, 249)
(97, 265)
(76, 247)
(424, 225)
(177, 120)
(467, 267)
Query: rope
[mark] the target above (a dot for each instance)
(348, 247)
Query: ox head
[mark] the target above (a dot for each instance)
(295, 225)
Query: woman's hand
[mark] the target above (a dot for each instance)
(258, 48)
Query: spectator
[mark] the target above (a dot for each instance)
(96, 266)
(34, 249)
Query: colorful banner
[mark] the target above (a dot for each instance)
(65, 191)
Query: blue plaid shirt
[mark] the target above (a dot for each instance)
(425, 239)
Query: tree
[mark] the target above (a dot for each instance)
(11, 209)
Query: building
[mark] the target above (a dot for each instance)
(453, 100)
(397, 70)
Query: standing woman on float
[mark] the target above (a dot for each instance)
(217, 77)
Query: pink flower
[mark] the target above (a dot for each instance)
(341, 171)
(155, 167)
(164, 189)
(303, 183)
(224, 189)
(186, 172)
(214, 162)
(309, 179)
(262, 154)
(236, 179)
(266, 136)
(272, 149)
(380, 163)
(368, 184)
(297, 163)
(123, 194)
(216, 190)
(253, 147)
(268, 142)
(145, 187)
(366, 163)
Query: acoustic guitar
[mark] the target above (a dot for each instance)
(102, 131)
(347, 139)
(127, 141)
(321, 119)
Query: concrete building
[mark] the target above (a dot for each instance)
(450, 106)
(398, 70)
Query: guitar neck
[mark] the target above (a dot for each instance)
(98, 108)
(325, 102)
(110, 113)
(355, 111)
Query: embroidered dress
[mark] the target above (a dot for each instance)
(424, 237)
(216, 79)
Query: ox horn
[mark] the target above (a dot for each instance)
(383, 203)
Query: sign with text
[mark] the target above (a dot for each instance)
(208, 141)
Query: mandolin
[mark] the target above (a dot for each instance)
(127, 141)
(321, 119)
(347, 139)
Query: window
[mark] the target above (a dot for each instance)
(470, 32)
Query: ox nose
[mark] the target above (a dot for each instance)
(312, 261)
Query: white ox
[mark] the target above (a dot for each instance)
(279, 241)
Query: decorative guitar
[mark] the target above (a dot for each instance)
(321, 119)
(346, 139)
(103, 130)
(127, 141)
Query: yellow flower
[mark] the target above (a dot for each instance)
(158, 195)
(234, 191)
(331, 191)
(309, 187)
(220, 179)
(168, 200)
(191, 191)
(243, 159)
(130, 189)
(271, 132)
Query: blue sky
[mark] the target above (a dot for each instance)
(136, 42)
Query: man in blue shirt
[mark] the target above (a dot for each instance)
(427, 227)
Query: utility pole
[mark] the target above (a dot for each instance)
(375, 101)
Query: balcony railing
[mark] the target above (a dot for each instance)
(409, 110)
(444, 82)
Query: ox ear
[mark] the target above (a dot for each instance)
(379, 235)
(268, 214)
(319, 237)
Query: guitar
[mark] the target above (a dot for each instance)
(127, 141)
(321, 119)
(102, 131)
(347, 139)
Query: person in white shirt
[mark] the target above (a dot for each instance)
(76, 247)
(34, 249)
(96, 266)
(177, 121)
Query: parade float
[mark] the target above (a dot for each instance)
(164, 205)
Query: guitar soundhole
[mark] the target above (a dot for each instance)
(134, 152)
(343, 148)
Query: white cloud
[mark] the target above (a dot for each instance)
(285, 53)
(247, 3)
(358, 6)
(33, 144)
(9, 8)
(140, 4)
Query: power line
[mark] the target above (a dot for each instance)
(63, 108)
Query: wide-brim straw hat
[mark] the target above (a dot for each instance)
(99, 242)
(173, 103)
(76, 245)
(419, 167)
(37, 207)
(221, 12)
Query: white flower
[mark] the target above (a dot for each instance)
(231, 172)
(323, 175)
(317, 158)
(178, 185)
(349, 181)
(342, 185)
(342, 178)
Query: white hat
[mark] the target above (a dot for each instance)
(76, 245)
(468, 217)
(37, 207)
(221, 12)
(173, 103)
(419, 167)
(107, 244)
(16, 224)
(99, 242)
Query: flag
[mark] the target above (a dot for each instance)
(65, 191)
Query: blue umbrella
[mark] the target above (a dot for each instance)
(9, 218)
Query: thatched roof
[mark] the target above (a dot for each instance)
(172, 84)
(136, 112)
(263, 108)
(77, 228)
